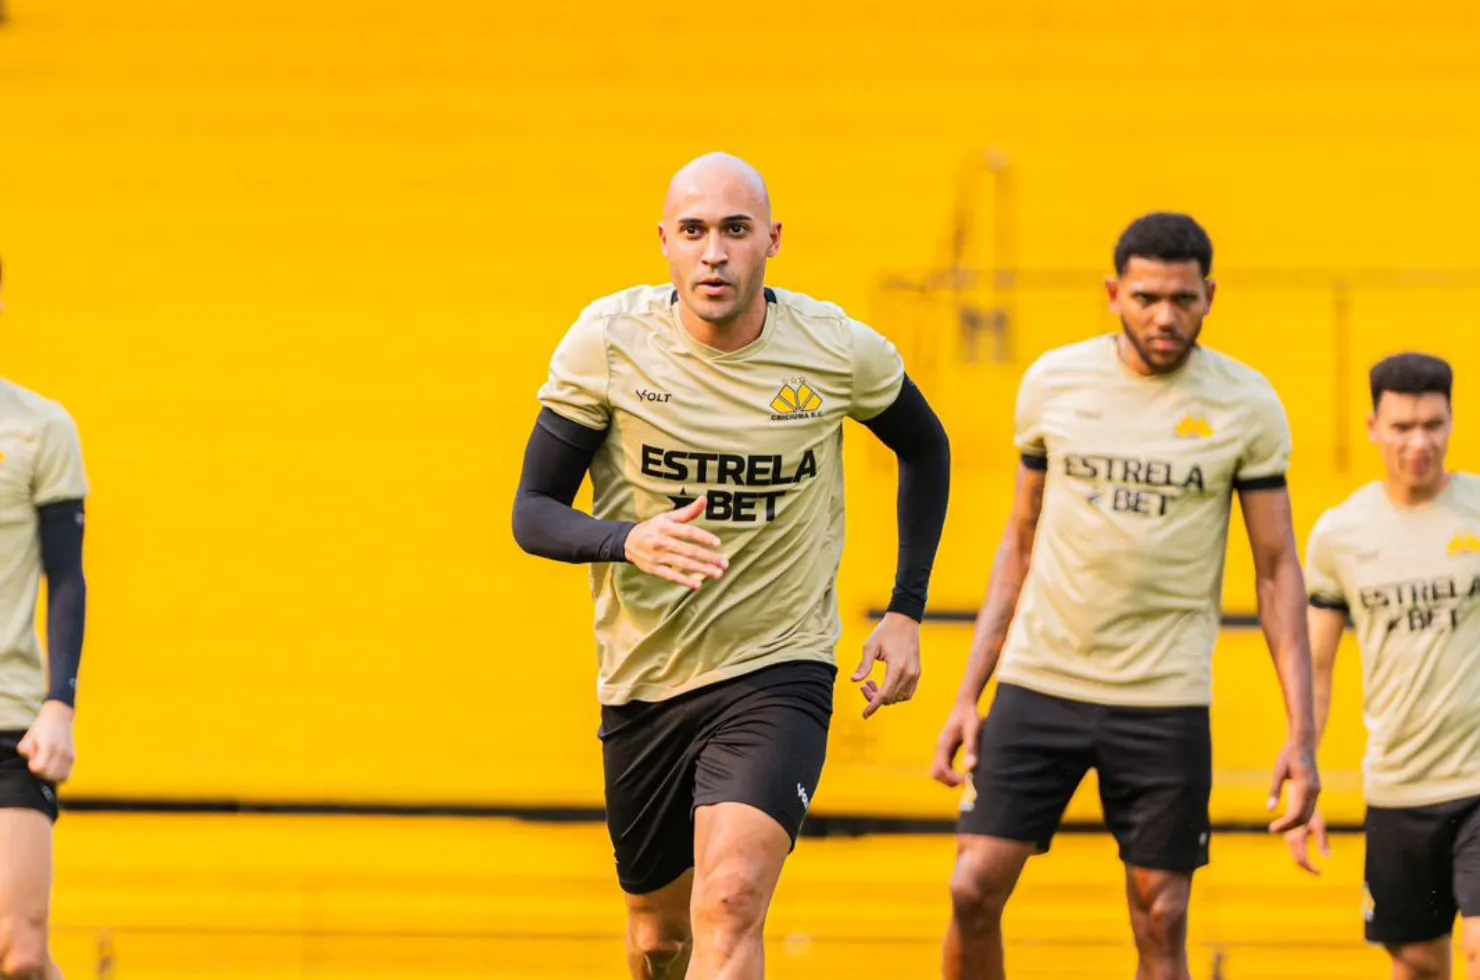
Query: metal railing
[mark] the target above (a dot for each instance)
(966, 306)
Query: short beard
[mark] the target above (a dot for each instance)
(1145, 354)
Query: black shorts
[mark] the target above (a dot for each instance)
(1422, 868)
(1155, 768)
(758, 739)
(19, 789)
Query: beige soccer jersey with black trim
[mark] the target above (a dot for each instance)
(758, 431)
(40, 463)
(1410, 577)
(1122, 604)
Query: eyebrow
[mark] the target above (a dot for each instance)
(1139, 290)
(725, 220)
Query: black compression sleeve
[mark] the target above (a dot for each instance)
(910, 428)
(66, 595)
(556, 459)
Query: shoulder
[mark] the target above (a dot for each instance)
(1351, 514)
(1242, 379)
(829, 333)
(1466, 490)
(826, 324)
(1071, 362)
(629, 301)
(634, 305)
(21, 404)
(810, 310)
(623, 311)
(1249, 398)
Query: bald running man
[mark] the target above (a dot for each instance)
(709, 413)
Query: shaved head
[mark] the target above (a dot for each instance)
(717, 234)
(719, 173)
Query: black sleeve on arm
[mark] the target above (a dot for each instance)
(556, 459)
(1259, 483)
(66, 595)
(910, 428)
(1038, 464)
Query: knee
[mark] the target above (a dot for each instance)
(23, 953)
(977, 898)
(1423, 961)
(1472, 952)
(1162, 917)
(661, 942)
(25, 962)
(733, 901)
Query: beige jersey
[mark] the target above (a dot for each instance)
(40, 463)
(1410, 577)
(1122, 603)
(760, 432)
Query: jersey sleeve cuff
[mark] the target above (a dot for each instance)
(1039, 464)
(1335, 605)
(571, 431)
(594, 419)
(907, 605)
(1275, 482)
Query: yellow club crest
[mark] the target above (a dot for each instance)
(795, 397)
(1194, 427)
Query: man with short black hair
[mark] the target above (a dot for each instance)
(1401, 558)
(1133, 446)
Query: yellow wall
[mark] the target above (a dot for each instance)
(298, 268)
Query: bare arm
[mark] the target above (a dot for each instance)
(1280, 584)
(1009, 571)
(1325, 627)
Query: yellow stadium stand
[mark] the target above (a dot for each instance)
(263, 898)
(298, 268)
(311, 260)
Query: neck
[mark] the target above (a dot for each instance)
(1129, 356)
(729, 335)
(1410, 496)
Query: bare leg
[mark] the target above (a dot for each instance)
(1422, 961)
(987, 870)
(738, 854)
(25, 895)
(659, 941)
(1158, 902)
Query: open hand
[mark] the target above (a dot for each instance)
(670, 547)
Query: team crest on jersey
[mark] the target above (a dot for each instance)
(1463, 543)
(795, 400)
(1194, 427)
